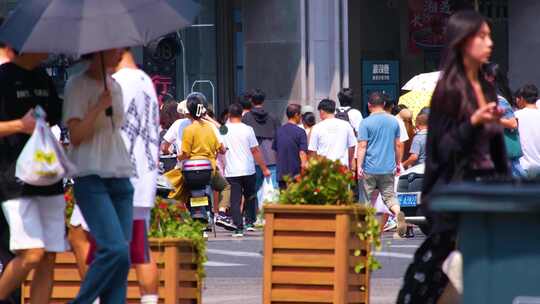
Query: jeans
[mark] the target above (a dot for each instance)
(243, 185)
(107, 207)
(517, 169)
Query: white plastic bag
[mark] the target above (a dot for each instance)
(42, 161)
(267, 193)
(379, 204)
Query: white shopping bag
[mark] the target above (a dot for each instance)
(267, 193)
(379, 204)
(42, 161)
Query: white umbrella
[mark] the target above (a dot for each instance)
(423, 82)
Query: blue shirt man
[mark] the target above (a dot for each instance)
(380, 131)
(378, 156)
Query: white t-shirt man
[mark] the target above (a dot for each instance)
(140, 132)
(175, 132)
(529, 134)
(332, 138)
(239, 140)
(355, 117)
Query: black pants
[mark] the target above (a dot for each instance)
(243, 185)
(424, 280)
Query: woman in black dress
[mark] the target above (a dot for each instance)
(465, 142)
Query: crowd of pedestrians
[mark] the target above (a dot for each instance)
(116, 154)
(475, 128)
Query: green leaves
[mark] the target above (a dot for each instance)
(359, 267)
(324, 182)
(368, 229)
(171, 219)
(327, 182)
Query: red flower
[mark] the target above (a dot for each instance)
(181, 207)
(317, 190)
(298, 178)
(163, 205)
(343, 170)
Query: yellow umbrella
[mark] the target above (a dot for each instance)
(416, 100)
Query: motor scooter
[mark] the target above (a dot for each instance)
(197, 178)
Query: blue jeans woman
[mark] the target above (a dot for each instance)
(102, 188)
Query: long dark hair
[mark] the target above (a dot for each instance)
(501, 80)
(454, 94)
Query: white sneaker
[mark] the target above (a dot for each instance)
(391, 224)
(238, 233)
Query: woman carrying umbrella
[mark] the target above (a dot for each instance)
(465, 142)
(102, 187)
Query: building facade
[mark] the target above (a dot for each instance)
(304, 50)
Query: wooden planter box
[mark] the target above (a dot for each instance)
(309, 255)
(179, 282)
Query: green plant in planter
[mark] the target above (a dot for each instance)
(171, 219)
(327, 182)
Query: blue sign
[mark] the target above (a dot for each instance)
(380, 72)
(379, 75)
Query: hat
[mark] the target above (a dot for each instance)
(307, 108)
(182, 107)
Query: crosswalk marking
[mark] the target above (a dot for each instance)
(393, 255)
(404, 246)
(258, 255)
(235, 253)
(221, 264)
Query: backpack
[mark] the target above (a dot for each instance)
(343, 114)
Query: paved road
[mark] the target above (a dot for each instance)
(234, 269)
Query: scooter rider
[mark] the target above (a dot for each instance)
(200, 141)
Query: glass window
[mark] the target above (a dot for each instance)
(193, 64)
(197, 59)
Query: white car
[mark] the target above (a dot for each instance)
(409, 193)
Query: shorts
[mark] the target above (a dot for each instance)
(77, 219)
(139, 249)
(36, 222)
(385, 184)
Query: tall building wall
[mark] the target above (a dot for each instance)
(294, 50)
(524, 42)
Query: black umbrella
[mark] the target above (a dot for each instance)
(85, 26)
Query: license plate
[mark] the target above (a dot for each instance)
(199, 201)
(408, 199)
